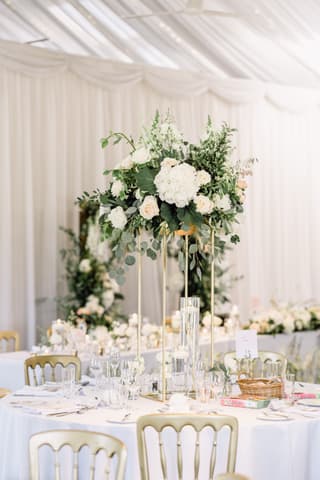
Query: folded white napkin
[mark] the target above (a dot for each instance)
(179, 403)
(41, 391)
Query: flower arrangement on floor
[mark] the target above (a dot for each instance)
(285, 319)
(167, 184)
(93, 296)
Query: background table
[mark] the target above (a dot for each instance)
(12, 364)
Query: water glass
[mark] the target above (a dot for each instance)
(218, 386)
(118, 395)
(289, 383)
(68, 376)
(95, 367)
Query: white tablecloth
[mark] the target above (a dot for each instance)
(268, 450)
(12, 364)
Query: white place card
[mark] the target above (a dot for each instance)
(246, 344)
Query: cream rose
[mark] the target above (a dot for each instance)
(203, 204)
(118, 218)
(169, 162)
(203, 177)
(149, 207)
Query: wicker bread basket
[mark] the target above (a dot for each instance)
(261, 387)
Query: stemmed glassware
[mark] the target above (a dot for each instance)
(114, 360)
(95, 367)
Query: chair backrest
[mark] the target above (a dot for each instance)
(231, 476)
(42, 361)
(76, 439)
(177, 422)
(4, 392)
(235, 365)
(7, 336)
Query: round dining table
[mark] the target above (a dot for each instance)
(274, 448)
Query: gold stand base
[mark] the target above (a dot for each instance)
(158, 396)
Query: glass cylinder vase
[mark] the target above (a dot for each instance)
(190, 318)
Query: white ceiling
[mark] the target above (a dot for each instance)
(270, 40)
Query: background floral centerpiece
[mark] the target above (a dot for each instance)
(167, 184)
(93, 296)
(283, 318)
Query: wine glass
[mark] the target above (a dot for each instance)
(114, 360)
(95, 367)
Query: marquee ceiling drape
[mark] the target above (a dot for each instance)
(54, 108)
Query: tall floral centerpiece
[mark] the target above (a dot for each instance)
(167, 185)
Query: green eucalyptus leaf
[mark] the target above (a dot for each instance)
(151, 254)
(130, 260)
(193, 248)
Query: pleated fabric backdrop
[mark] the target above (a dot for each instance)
(53, 111)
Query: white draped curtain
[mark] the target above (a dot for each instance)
(53, 111)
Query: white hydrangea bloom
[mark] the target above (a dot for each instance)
(117, 218)
(177, 185)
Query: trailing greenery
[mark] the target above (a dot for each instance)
(92, 296)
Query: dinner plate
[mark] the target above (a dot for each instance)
(309, 402)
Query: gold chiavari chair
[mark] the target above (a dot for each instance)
(4, 392)
(76, 439)
(42, 361)
(231, 476)
(178, 422)
(8, 336)
(230, 360)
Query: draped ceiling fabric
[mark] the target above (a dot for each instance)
(54, 108)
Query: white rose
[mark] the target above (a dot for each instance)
(55, 339)
(84, 266)
(149, 207)
(100, 333)
(133, 320)
(92, 299)
(118, 218)
(131, 332)
(107, 299)
(203, 204)
(116, 188)
(203, 177)
(222, 203)
(146, 329)
(126, 163)
(288, 323)
(140, 156)
(169, 162)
